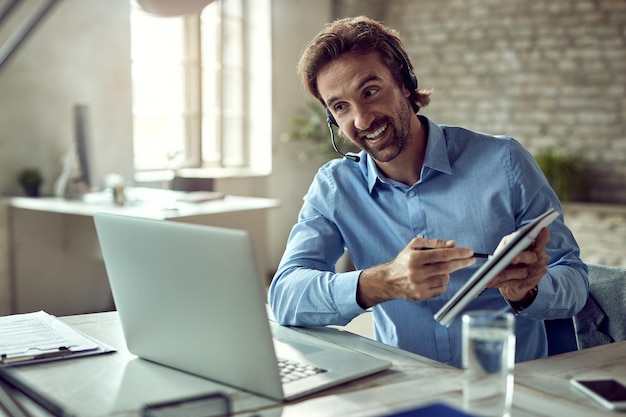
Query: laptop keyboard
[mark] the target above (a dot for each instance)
(291, 370)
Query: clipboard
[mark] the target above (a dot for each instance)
(477, 283)
(40, 337)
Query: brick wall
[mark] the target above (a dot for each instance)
(549, 73)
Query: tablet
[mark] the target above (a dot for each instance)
(519, 241)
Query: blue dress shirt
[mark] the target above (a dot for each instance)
(475, 189)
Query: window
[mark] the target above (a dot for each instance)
(201, 88)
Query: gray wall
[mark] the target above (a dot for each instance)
(79, 54)
(290, 177)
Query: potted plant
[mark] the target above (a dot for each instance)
(30, 179)
(566, 172)
(314, 128)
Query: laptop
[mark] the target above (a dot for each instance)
(190, 297)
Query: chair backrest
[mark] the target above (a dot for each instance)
(603, 319)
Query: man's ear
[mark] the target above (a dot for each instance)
(406, 91)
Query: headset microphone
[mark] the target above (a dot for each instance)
(331, 121)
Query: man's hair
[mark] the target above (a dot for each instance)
(360, 35)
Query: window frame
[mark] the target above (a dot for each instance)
(242, 141)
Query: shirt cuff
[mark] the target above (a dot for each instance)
(345, 294)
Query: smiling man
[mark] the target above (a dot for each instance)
(415, 185)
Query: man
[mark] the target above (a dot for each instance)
(415, 185)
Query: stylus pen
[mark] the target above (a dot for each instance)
(44, 402)
(475, 255)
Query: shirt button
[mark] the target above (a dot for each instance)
(411, 193)
(420, 235)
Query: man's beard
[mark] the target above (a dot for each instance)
(390, 149)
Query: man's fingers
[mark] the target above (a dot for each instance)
(542, 240)
(526, 257)
(510, 274)
(426, 244)
(520, 276)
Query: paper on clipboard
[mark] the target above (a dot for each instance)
(519, 241)
(39, 337)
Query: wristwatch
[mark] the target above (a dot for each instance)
(525, 302)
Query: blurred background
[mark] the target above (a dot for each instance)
(213, 100)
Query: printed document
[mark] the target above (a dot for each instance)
(39, 336)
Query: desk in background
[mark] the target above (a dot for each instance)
(118, 384)
(56, 263)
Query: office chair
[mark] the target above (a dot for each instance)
(603, 319)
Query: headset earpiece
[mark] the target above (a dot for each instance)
(408, 76)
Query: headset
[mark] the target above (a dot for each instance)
(408, 78)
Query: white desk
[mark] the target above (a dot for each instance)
(117, 384)
(551, 377)
(55, 256)
(143, 202)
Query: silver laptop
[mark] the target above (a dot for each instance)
(190, 297)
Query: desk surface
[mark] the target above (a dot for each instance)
(60, 235)
(143, 202)
(118, 384)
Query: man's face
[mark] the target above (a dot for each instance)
(367, 103)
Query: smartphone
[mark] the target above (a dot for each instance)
(207, 405)
(608, 392)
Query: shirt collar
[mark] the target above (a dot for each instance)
(436, 157)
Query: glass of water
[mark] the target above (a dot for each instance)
(488, 362)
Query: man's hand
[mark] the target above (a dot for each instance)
(526, 269)
(420, 271)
